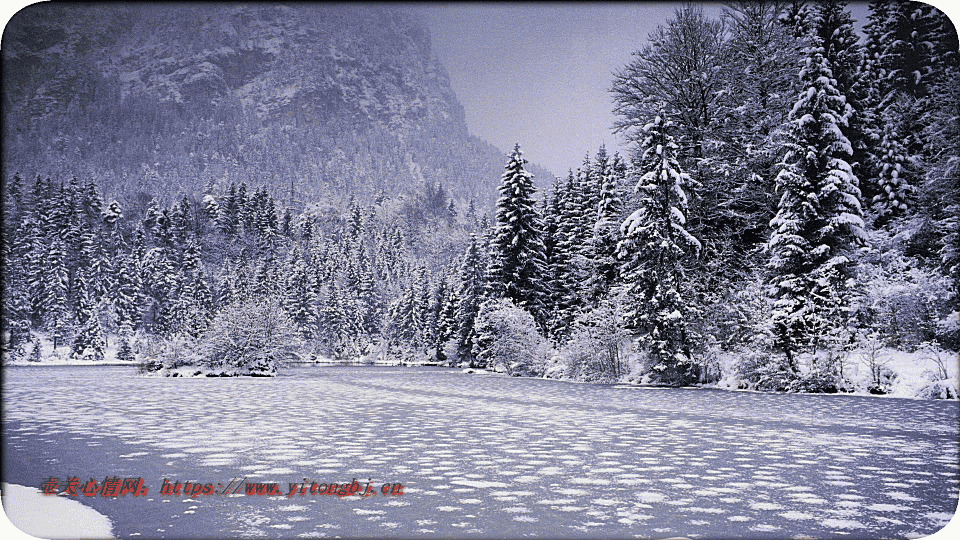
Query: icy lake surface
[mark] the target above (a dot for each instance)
(485, 455)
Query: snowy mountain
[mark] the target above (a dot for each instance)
(309, 100)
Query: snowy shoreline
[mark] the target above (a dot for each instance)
(911, 382)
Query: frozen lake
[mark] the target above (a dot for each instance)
(484, 455)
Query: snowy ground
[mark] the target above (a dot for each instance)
(486, 455)
(27, 509)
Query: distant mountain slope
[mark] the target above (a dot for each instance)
(309, 100)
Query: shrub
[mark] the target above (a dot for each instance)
(595, 350)
(508, 341)
(251, 337)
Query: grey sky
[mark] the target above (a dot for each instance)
(539, 74)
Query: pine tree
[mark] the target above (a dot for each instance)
(194, 303)
(469, 297)
(128, 296)
(443, 307)
(604, 271)
(89, 342)
(834, 33)
(54, 305)
(300, 297)
(895, 175)
(818, 219)
(556, 256)
(517, 260)
(908, 58)
(125, 351)
(654, 244)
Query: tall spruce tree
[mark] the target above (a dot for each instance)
(818, 220)
(469, 296)
(655, 242)
(517, 255)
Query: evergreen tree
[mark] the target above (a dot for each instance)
(300, 297)
(89, 342)
(605, 231)
(834, 33)
(654, 244)
(517, 260)
(125, 351)
(469, 297)
(818, 219)
(128, 296)
(895, 175)
(194, 304)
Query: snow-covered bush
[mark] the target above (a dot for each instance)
(508, 341)
(907, 301)
(252, 337)
(939, 383)
(874, 357)
(761, 369)
(595, 350)
(125, 351)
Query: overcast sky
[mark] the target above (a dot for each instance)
(540, 74)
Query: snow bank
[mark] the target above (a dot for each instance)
(926, 373)
(50, 516)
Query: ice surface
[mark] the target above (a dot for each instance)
(510, 456)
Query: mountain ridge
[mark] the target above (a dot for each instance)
(312, 100)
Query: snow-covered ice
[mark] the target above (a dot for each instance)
(498, 456)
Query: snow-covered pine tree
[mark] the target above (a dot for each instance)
(516, 252)
(571, 235)
(125, 351)
(604, 271)
(895, 175)
(300, 297)
(908, 58)
(554, 255)
(870, 86)
(194, 303)
(55, 303)
(128, 296)
(797, 18)
(833, 31)
(469, 297)
(940, 189)
(655, 242)
(444, 308)
(89, 342)
(819, 219)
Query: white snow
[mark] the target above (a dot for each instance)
(51, 516)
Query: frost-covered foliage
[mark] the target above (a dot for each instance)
(253, 337)
(905, 301)
(508, 340)
(894, 175)
(598, 344)
(365, 274)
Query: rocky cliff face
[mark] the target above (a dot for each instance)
(309, 98)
